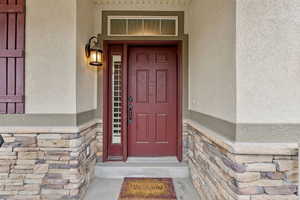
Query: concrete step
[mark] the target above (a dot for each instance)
(142, 168)
(152, 160)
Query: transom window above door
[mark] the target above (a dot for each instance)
(143, 25)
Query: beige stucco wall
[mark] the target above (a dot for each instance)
(268, 61)
(58, 79)
(50, 56)
(86, 90)
(212, 58)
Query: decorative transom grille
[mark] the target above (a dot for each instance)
(143, 25)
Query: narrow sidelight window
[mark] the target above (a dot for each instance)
(115, 103)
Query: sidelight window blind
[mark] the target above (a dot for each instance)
(116, 99)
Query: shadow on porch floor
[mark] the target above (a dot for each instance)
(109, 189)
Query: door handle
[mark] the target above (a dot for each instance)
(130, 109)
(130, 99)
(130, 113)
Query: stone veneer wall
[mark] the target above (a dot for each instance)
(219, 173)
(47, 166)
(99, 143)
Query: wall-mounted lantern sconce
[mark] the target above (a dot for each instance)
(93, 52)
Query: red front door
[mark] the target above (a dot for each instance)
(152, 99)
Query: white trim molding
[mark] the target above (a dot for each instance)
(146, 4)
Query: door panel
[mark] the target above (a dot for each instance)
(142, 122)
(152, 84)
(161, 127)
(161, 86)
(142, 89)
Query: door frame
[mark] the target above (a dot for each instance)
(106, 92)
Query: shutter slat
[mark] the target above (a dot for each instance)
(11, 83)
(4, 8)
(11, 62)
(20, 71)
(20, 68)
(11, 53)
(11, 99)
(3, 43)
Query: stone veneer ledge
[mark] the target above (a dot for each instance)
(221, 169)
(243, 147)
(43, 129)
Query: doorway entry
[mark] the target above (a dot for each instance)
(142, 115)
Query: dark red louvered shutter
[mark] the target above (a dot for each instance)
(12, 40)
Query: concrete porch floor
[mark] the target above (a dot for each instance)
(109, 189)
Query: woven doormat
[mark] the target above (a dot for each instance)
(147, 189)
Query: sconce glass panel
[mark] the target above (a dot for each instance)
(96, 57)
